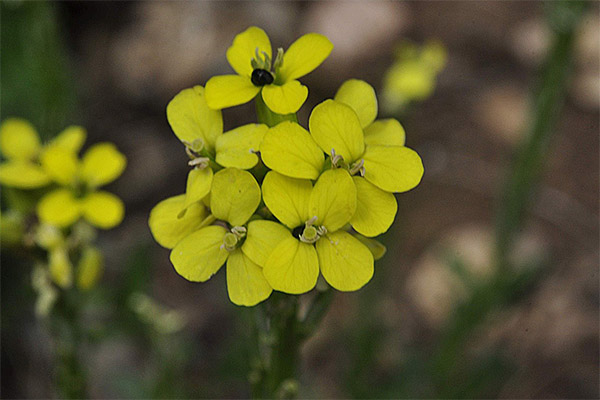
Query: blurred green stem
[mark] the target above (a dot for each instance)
(563, 19)
(268, 117)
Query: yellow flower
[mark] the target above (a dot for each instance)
(79, 180)
(235, 195)
(376, 158)
(200, 129)
(250, 56)
(20, 145)
(317, 242)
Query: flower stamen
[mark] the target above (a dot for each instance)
(358, 166)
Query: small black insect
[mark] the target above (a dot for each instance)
(261, 77)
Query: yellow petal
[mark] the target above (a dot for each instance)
(285, 99)
(89, 268)
(238, 147)
(23, 174)
(287, 198)
(244, 47)
(103, 209)
(60, 267)
(102, 164)
(334, 125)
(200, 255)
(167, 229)
(385, 132)
(292, 267)
(60, 164)
(235, 195)
(333, 199)
(246, 283)
(71, 138)
(191, 119)
(59, 208)
(376, 248)
(303, 56)
(229, 90)
(346, 264)
(360, 96)
(375, 208)
(290, 150)
(19, 139)
(393, 168)
(262, 237)
(198, 185)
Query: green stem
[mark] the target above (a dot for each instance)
(268, 117)
(516, 196)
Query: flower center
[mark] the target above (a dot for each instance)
(309, 233)
(261, 77)
(232, 239)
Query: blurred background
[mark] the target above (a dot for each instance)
(434, 322)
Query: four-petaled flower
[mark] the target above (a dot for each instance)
(250, 56)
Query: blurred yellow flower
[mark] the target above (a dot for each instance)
(250, 56)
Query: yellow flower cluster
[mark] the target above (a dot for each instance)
(280, 204)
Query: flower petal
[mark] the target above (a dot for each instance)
(59, 208)
(285, 99)
(376, 248)
(60, 164)
(102, 164)
(262, 237)
(235, 195)
(200, 255)
(244, 48)
(103, 209)
(198, 185)
(385, 132)
(346, 263)
(290, 150)
(375, 208)
(287, 198)
(246, 283)
(229, 90)
(292, 267)
(23, 174)
(167, 229)
(191, 119)
(304, 55)
(335, 125)
(89, 268)
(360, 96)
(393, 168)
(19, 139)
(333, 199)
(238, 147)
(71, 138)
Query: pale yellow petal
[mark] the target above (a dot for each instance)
(292, 267)
(103, 209)
(102, 164)
(285, 99)
(229, 90)
(246, 283)
(360, 96)
(333, 199)
(290, 150)
(238, 147)
(201, 254)
(287, 198)
(304, 55)
(244, 48)
(346, 263)
(198, 185)
(59, 208)
(385, 132)
(71, 138)
(19, 139)
(262, 237)
(235, 195)
(393, 168)
(89, 268)
(191, 118)
(23, 174)
(375, 208)
(61, 269)
(61, 164)
(335, 125)
(167, 229)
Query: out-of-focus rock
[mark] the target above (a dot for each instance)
(529, 40)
